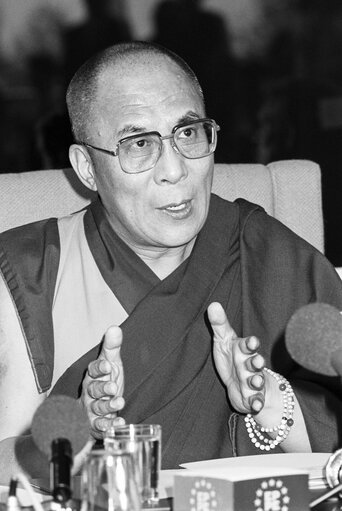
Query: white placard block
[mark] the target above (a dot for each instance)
(264, 490)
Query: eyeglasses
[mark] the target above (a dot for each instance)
(139, 153)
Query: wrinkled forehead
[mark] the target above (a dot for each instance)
(144, 76)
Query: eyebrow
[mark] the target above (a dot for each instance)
(188, 117)
(130, 129)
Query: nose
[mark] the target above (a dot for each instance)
(171, 166)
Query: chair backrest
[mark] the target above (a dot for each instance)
(288, 190)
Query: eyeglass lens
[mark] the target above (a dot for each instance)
(141, 152)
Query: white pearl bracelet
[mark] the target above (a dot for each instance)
(255, 431)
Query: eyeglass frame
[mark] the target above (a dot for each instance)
(215, 127)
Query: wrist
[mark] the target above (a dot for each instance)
(263, 431)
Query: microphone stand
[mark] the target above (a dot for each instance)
(60, 466)
(333, 474)
(333, 468)
(326, 496)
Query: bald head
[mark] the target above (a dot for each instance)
(116, 62)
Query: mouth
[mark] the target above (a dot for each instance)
(178, 210)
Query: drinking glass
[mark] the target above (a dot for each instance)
(143, 441)
(108, 482)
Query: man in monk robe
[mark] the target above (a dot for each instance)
(202, 288)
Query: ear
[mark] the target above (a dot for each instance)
(82, 165)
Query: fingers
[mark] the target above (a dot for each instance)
(98, 389)
(102, 424)
(255, 363)
(107, 406)
(219, 322)
(103, 384)
(256, 381)
(256, 402)
(238, 362)
(249, 345)
(109, 360)
(99, 367)
(102, 414)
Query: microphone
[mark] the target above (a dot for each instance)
(60, 427)
(313, 338)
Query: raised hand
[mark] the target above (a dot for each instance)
(238, 363)
(103, 385)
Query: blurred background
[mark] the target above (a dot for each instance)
(271, 71)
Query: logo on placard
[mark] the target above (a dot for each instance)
(272, 496)
(203, 496)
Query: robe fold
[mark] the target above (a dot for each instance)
(253, 265)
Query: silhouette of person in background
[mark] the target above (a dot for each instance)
(301, 110)
(102, 28)
(201, 38)
(31, 83)
(53, 138)
(320, 42)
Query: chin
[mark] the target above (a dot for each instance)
(179, 239)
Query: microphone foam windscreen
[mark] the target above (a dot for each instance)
(313, 334)
(60, 417)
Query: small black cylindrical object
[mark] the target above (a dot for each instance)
(60, 470)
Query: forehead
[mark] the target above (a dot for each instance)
(145, 94)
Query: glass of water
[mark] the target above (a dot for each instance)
(143, 441)
(108, 482)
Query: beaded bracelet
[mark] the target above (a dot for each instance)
(255, 431)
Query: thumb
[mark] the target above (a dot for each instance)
(111, 345)
(111, 353)
(221, 327)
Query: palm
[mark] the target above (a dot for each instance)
(232, 359)
(229, 373)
